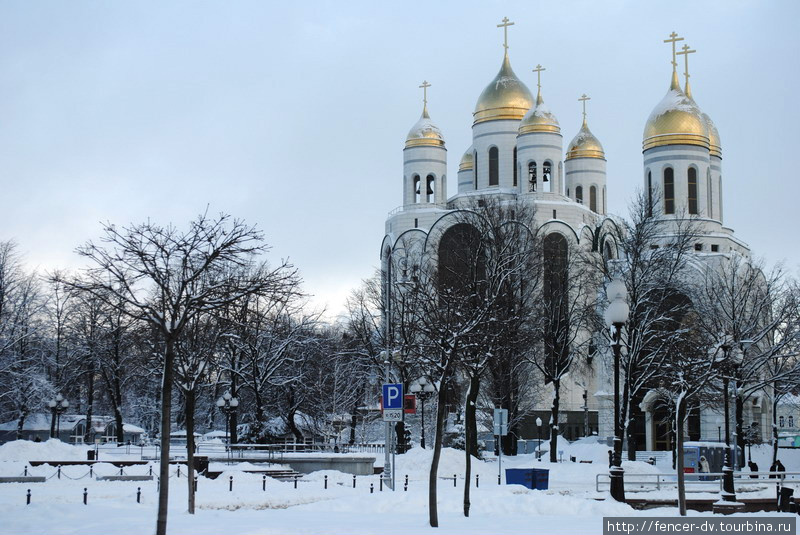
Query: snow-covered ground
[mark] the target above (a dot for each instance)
(571, 505)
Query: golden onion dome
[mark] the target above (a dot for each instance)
(585, 145)
(467, 161)
(506, 97)
(539, 119)
(715, 145)
(676, 120)
(424, 133)
(715, 148)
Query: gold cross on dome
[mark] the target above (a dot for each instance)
(538, 70)
(673, 39)
(425, 85)
(685, 51)
(583, 99)
(505, 24)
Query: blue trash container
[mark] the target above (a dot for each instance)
(532, 478)
(541, 478)
(520, 476)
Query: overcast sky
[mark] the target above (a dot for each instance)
(293, 115)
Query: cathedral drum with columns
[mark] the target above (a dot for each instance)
(517, 156)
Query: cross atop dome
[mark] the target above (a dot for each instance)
(685, 51)
(673, 38)
(505, 24)
(583, 100)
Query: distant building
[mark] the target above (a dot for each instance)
(72, 429)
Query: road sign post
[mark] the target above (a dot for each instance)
(392, 403)
(500, 430)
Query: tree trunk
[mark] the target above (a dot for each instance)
(554, 421)
(470, 417)
(190, 403)
(21, 425)
(739, 450)
(631, 440)
(233, 436)
(471, 438)
(166, 408)
(118, 411)
(441, 399)
(774, 429)
(298, 436)
(680, 417)
(87, 434)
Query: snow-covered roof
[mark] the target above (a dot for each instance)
(42, 422)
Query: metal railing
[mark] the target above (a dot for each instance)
(650, 482)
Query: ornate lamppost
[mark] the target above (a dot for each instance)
(616, 316)
(423, 390)
(227, 404)
(58, 405)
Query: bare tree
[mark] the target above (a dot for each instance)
(564, 319)
(759, 311)
(167, 277)
(687, 378)
(23, 376)
(653, 263)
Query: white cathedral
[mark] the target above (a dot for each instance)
(517, 153)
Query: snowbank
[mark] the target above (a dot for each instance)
(51, 450)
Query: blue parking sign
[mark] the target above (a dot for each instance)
(393, 396)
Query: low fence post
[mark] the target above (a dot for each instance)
(326, 482)
(59, 471)
(230, 484)
(371, 489)
(477, 480)
(138, 494)
(264, 482)
(295, 481)
(354, 481)
(28, 502)
(454, 480)
(85, 495)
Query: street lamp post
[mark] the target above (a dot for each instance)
(728, 491)
(538, 439)
(423, 390)
(616, 316)
(227, 404)
(57, 405)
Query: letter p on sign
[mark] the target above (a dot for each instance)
(393, 396)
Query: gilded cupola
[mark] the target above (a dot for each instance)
(585, 144)
(424, 133)
(676, 120)
(506, 97)
(539, 118)
(467, 161)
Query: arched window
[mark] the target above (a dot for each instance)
(416, 188)
(579, 194)
(608, 253)
(709, 203)
(462, 263)
(532, 176)
(791, 421)
(593, 198)
(693, 191)
(547, 176)
(430, 188)
(650, 193)
(669, 191)
(475, 169)
(780, 421)
(515, 166)
(494, 166)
